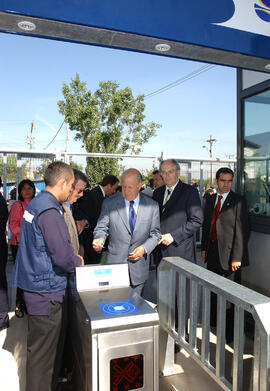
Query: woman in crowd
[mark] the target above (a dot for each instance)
(26, 191)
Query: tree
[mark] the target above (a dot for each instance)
(75, 165)
(12, 168)
(40, 171)
(109, 120)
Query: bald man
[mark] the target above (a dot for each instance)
(131, 221)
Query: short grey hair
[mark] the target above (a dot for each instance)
(173, 161)
(139, 175)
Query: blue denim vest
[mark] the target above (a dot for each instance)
(34, 270)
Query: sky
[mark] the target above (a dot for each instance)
(33, 71)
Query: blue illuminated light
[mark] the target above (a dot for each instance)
(119, 308)
(103, 271)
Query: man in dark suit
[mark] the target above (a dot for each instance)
(88, 208)
(4, 321)
(225, 236)
(131, 222)
(180, 217)
(180, 213)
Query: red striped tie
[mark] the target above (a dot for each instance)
(214, 220)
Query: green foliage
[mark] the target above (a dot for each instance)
(40, 171)
(147, 174)
(207, 183)
(12, 168)
(75, 165)
(108, 120)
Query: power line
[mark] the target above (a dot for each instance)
(15, 120)
(55, 135)
(187, 77)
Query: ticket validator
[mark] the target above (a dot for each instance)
(114, 332)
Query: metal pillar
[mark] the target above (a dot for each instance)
(201, 178)
(19, 173)
(189, 173)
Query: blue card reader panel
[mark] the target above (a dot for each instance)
(119, 308)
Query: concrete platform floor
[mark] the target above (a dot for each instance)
(13, 360)
(191, 376)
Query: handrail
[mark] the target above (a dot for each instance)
(182, 279)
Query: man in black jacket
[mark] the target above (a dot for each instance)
(4, 322)
(89, 207)
(180, 213)
(225, 236)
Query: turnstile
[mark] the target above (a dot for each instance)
(114, 332)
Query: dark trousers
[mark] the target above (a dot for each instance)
(3, 283)
(20, 304)
(138, 288)
(91, 257)
(4, 318)
(213, 264)
(45, 342)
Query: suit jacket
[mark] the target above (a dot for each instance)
(72, 229)
(181, 216)
(88, 207)
(113, 223)
(232, 229)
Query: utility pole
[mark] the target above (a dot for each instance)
(211, 141)
(31, 142)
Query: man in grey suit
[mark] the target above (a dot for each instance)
(131, 220)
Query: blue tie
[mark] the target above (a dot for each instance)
(132, 216)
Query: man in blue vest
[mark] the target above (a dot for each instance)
(44, 259)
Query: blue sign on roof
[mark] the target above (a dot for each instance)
(241, 26)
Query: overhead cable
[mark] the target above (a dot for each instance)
(54, 135)
(187, 77)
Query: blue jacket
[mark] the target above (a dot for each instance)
(34, 269)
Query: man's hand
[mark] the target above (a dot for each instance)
(80, 224)
(98, 244)
(166, 239)
(136, 254)
(81, 258)
(203, 256)
(235, 265)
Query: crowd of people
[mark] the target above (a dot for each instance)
(68, 225)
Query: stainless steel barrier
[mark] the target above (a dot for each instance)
(185, 280)
(114, 332)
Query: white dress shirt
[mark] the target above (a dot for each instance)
(135, 205)
(224, 196)
(166, 190)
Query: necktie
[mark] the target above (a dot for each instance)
(169, 193)
(214, 220)
(132, 216)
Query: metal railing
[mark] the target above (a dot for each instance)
(190, 167)
(191, 283)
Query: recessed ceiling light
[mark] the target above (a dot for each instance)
(26, 25)
(163, 47)
(267, 67)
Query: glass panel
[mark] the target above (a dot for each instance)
(257, 153)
